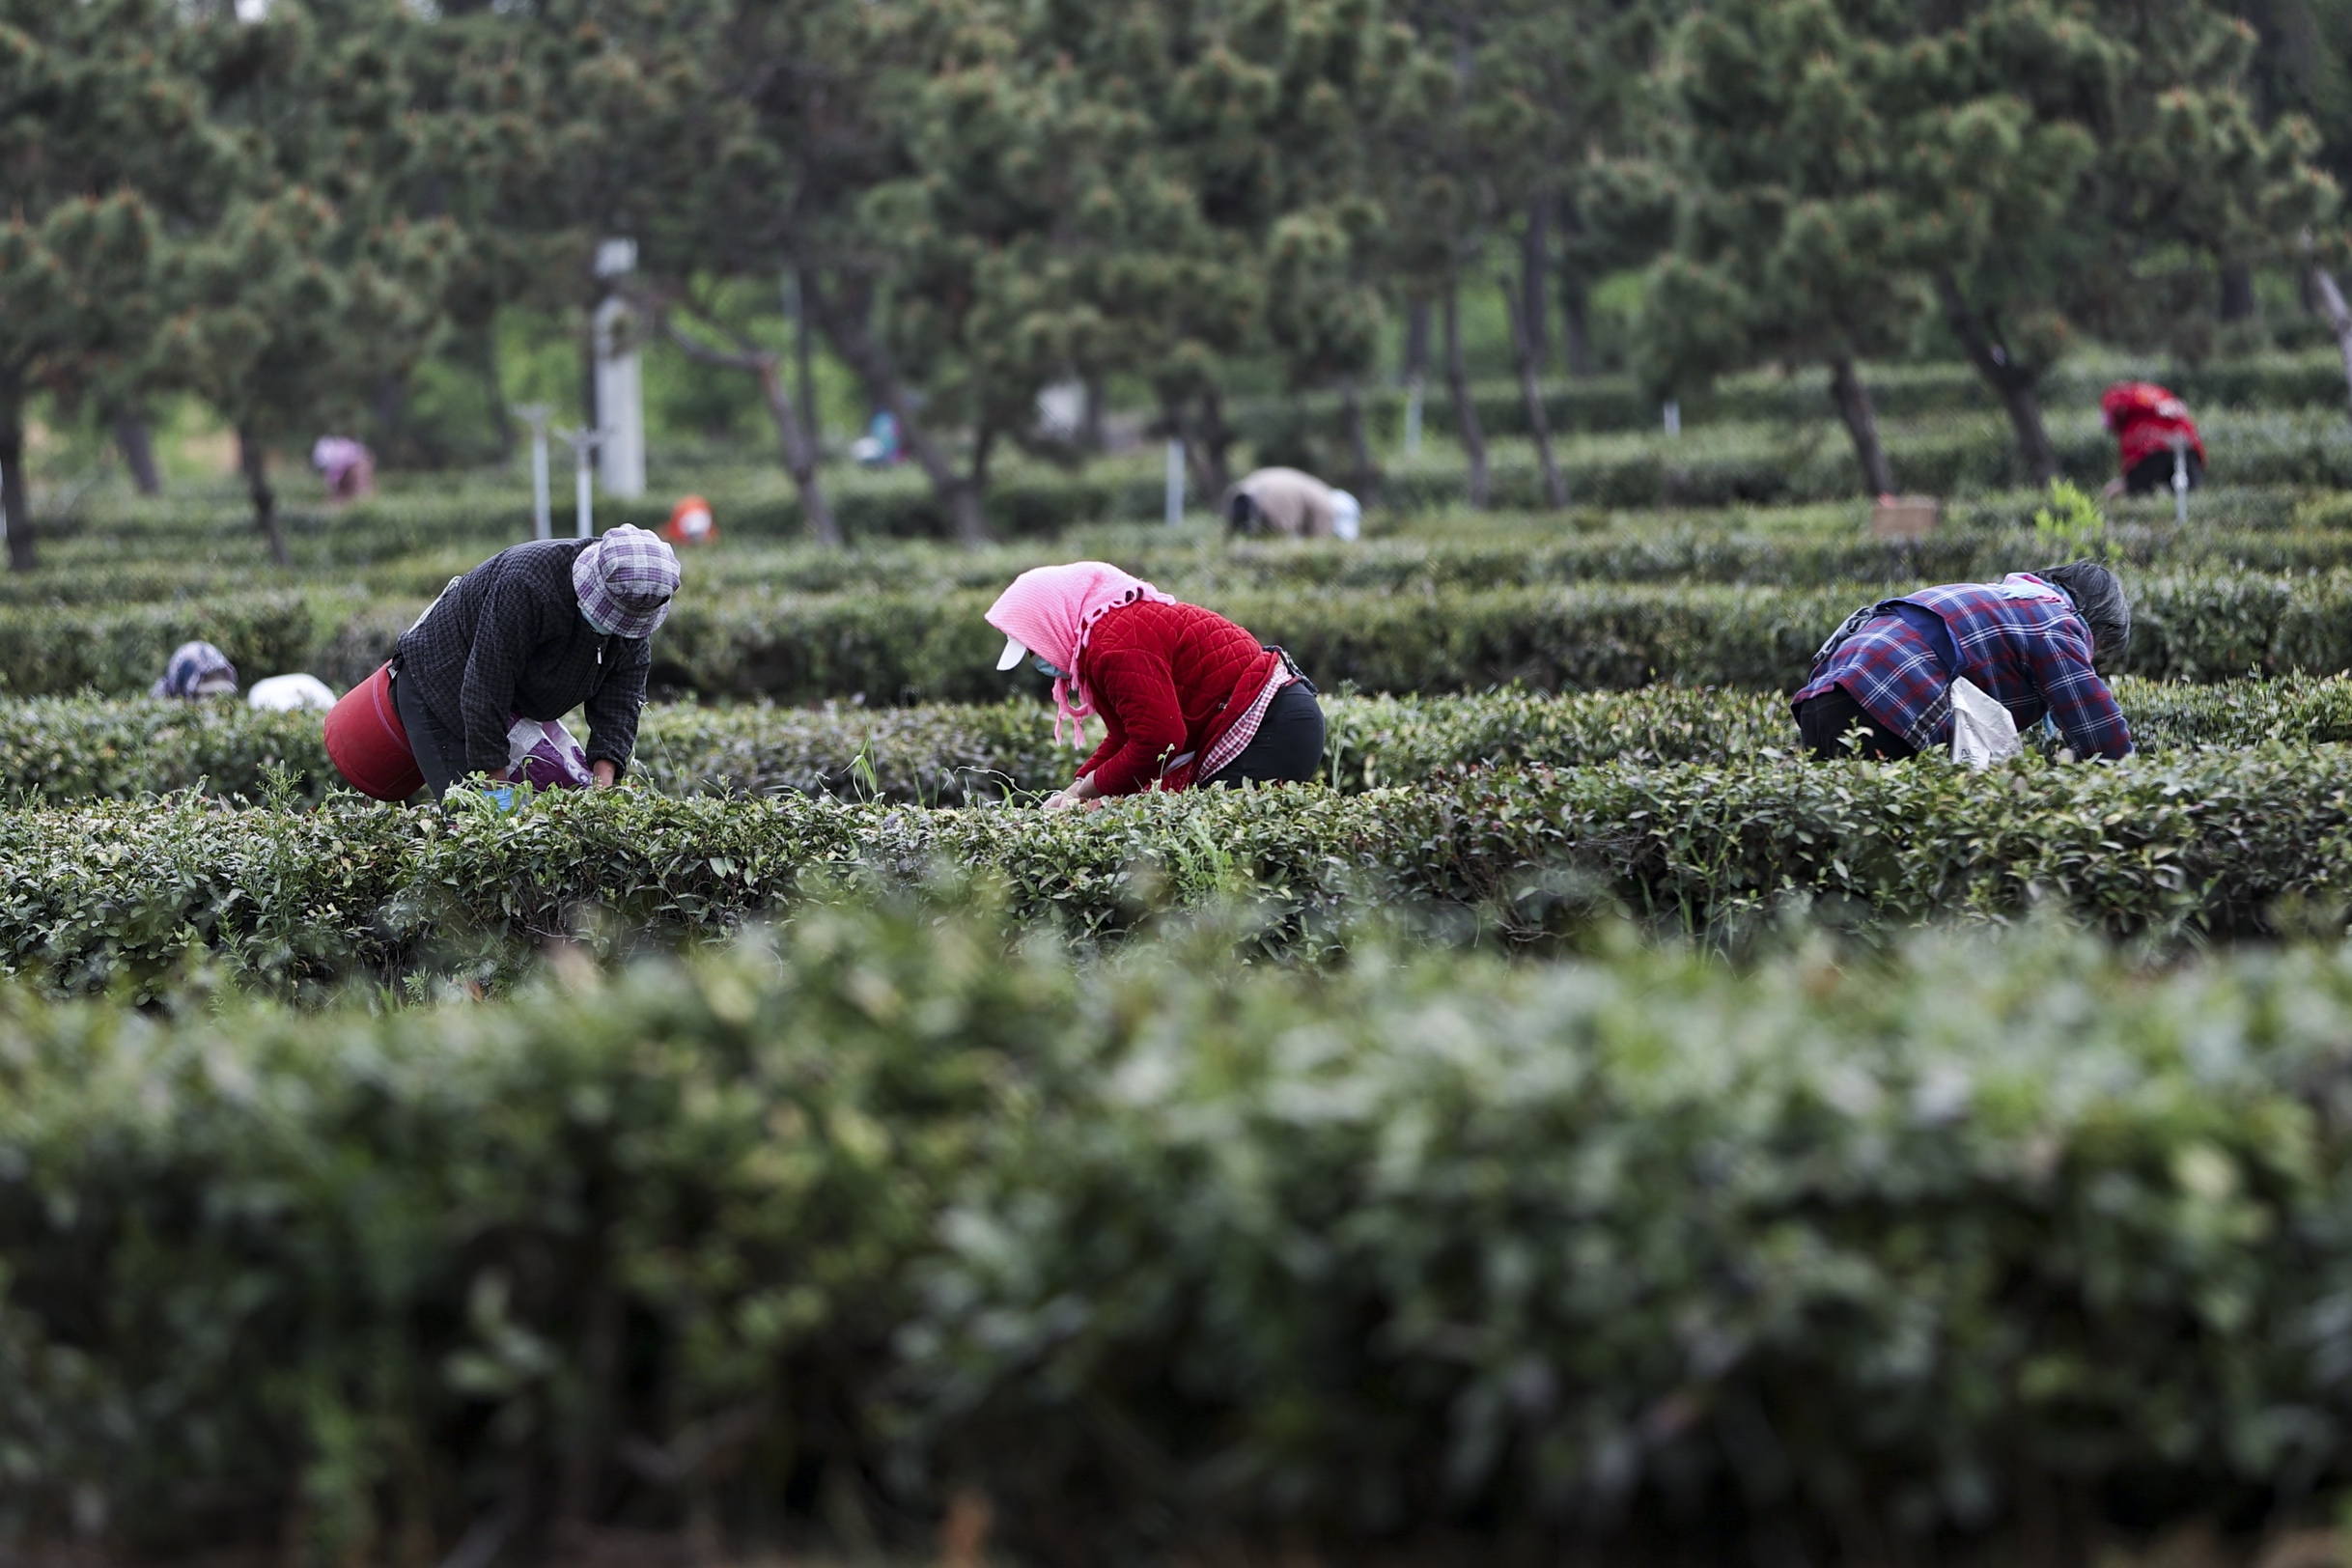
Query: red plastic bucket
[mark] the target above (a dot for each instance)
(368, 745)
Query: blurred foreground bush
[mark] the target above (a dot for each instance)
(1643, 1254)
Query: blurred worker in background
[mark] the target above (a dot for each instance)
(348, 467)
(534, 631)
(290, 694)
(1189, 698)
(2150, 425)
(2034, 642)
(690, 522)
(196, 670)
(879, 447)
(1292, 504)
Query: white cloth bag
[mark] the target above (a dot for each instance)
(1982, 731)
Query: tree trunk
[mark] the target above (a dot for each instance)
(2237, 292)
(844, 324)
(1576, 298)
(14, 501)
(984, 442)
(1416, 338)
(485, 362)
(1534, 267)
(1523, 348)
(1466, 412)
(252, 457)
(805, 364)
(137, 441)
(1576, 325)
(800, 448)
(1210, 446)
(1367, 478)
(2331, 305)
(1855, 407)
(2012, 382)
(799, 454)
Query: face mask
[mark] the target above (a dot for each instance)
(1048, 670)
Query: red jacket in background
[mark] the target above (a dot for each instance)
(2145, 418)
(1168, 680)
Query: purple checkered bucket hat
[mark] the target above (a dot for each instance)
(625, 580)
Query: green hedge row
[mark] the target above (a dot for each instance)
(2208, 843)
(62, 750)
(894, 505)
(1900, 392)
(1648, 1257)
(935, 647)
(2251, 530)
(1764, 462)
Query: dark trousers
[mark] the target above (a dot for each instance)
(1825, 721)
(1288, 746)
(441, 753)
(2154, 473)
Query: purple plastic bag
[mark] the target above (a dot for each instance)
(545, 756)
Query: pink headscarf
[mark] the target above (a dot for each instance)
(1050, 609)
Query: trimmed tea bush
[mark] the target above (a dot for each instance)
(68, 749)
(2206, 843)
(1162, 1256)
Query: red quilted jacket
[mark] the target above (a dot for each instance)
(2145, 418)
(1168, 680)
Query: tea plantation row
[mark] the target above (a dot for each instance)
(1722, 465)
(2204, 843)
(2273, 531)
(936, 647)
(67, 749)
(1161, 1256)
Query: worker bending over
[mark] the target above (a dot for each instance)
(532, 632)
(1294, 505)
(2034, 642)
(1187, 699)
(2153, 435)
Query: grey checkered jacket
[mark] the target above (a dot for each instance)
(509, 638)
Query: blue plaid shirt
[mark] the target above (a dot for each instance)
(2029, 654)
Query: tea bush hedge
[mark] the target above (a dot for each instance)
(1647, 1256)
(2203, 626)
(935, 647)
(68, 749)
(2194, 844)
(1783, 548)
(1803, 458)
(1900, 392)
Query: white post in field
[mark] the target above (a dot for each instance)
(583, 478)
(1173, 510)
(620, 392)
(1413, 417)
(535, 415)
(2180, 480)
(1673, 417)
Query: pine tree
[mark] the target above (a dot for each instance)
(311, 290)
(2063, 161)
(1792, 240)
(103, 141)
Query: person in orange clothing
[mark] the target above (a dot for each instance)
(2148, 422)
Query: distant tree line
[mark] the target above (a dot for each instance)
(289, 212)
